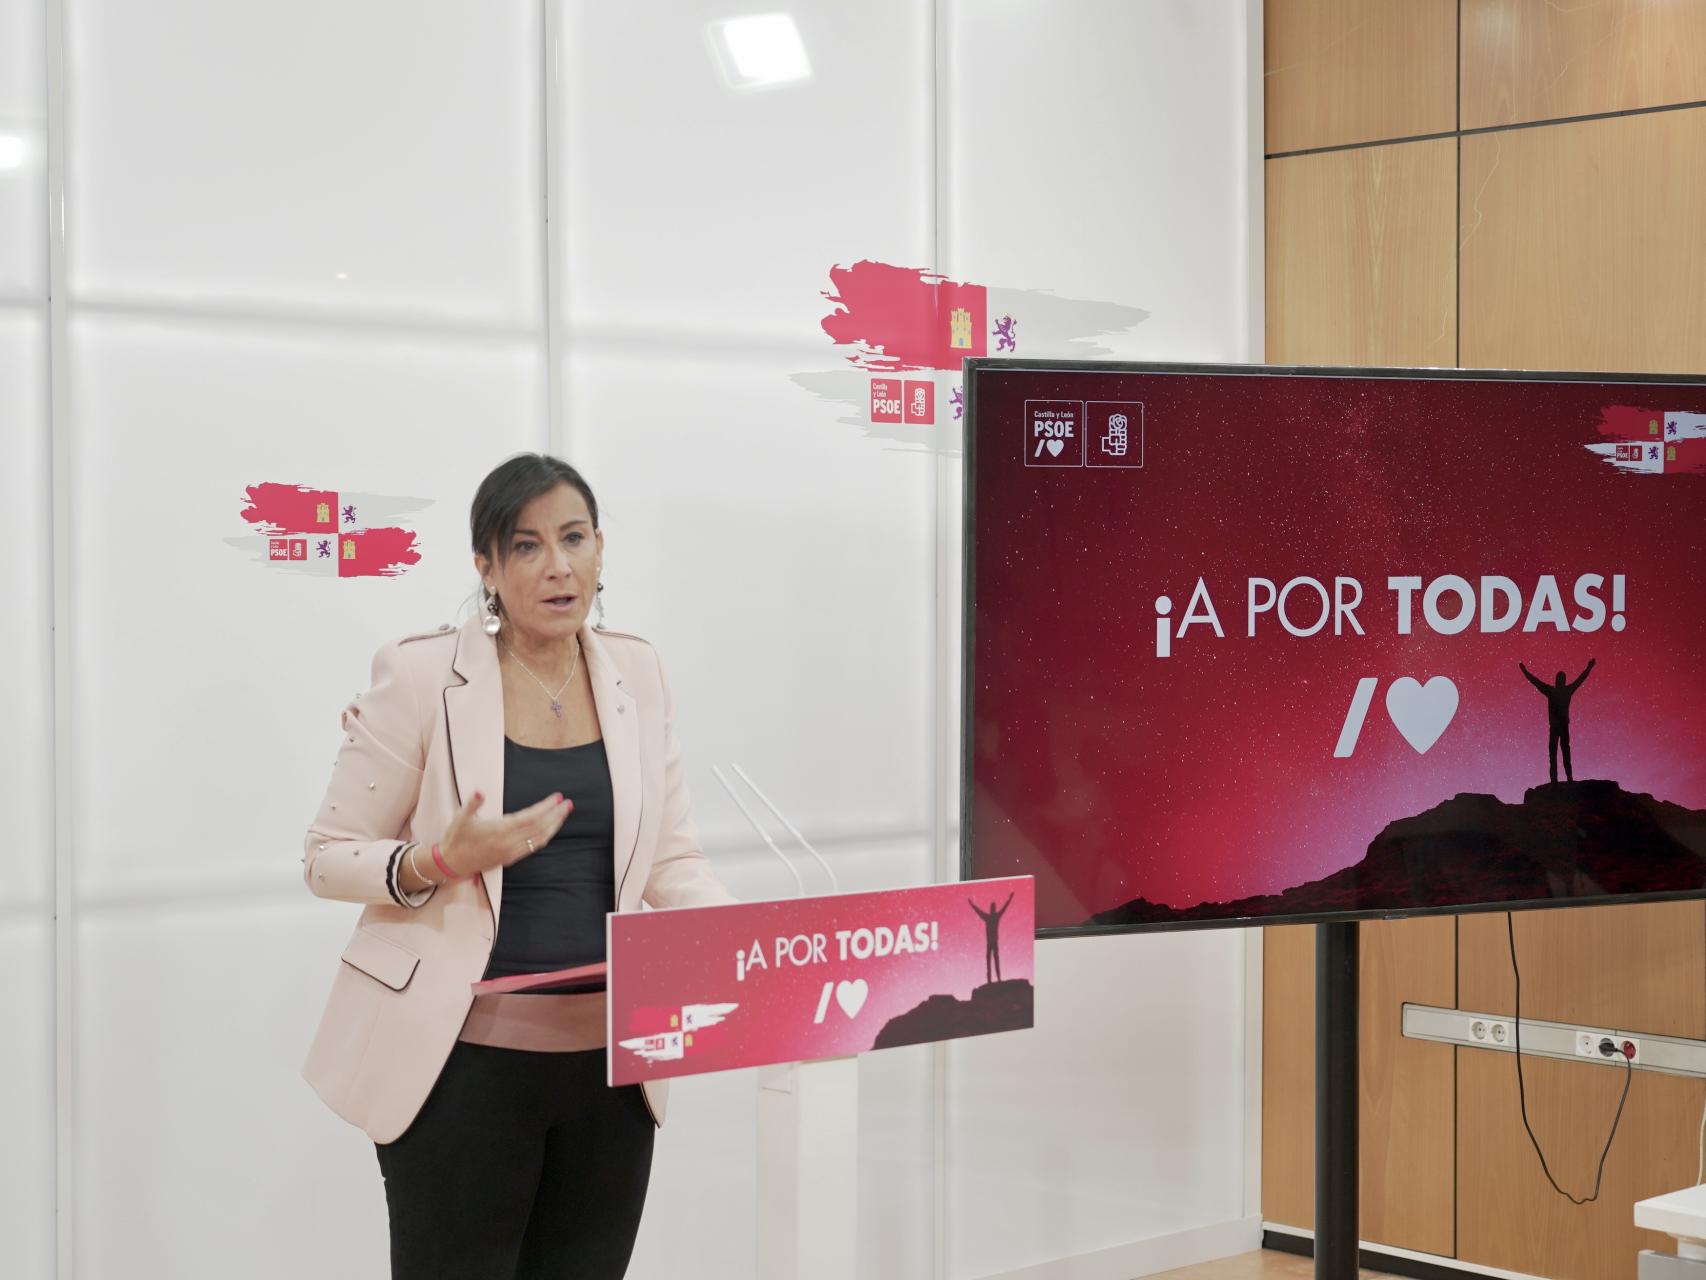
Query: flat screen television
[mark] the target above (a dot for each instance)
(1249, 644)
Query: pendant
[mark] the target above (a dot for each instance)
(557, 709)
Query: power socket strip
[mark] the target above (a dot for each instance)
(1491, 1031)
(1593, 1044)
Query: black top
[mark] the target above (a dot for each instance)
(555, 900)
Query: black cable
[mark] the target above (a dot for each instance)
(1522, 1093)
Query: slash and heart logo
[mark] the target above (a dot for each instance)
(1055, 446)
(1421, 712)
(851, 996)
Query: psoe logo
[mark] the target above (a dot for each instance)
(887, 399)
(1054, 435)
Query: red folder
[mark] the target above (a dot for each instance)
(588, 977)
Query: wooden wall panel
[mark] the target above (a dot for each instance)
(1288, 1075)
(1582, 247)
(1510, 1218)
(1568, 246)
(1407, 1086)
(1527, 60)
(1361, 250)
(1634, 968)
(1343, 71)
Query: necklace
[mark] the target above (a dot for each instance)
(556, 698)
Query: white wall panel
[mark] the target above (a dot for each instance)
(1118, 1118)
(26, 1070)
(27, 1137)
(26, 582)
(1100, 149)
(201, 1153)
(208, 681)
(23, 112)
(695, 208)
(247, 153)
(783, 565)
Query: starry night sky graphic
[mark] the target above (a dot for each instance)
(1112, 774)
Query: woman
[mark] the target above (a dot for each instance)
(499, 789)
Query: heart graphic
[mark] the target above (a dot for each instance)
(851, 996)
(1055, 446)
(1421, 711)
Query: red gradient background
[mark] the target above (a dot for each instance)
(1112, 774)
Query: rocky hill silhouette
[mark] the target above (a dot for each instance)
(1565, 840)
(995, 1006)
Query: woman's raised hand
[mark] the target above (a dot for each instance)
(473, 844)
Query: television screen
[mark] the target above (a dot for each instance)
(1249, 644)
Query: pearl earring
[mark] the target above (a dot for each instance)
(493, 623)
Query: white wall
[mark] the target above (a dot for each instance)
(1103, 150)
(27, 1134)
(305, 244)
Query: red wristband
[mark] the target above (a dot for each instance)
(439, 862)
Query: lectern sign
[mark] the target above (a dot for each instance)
(714, 988)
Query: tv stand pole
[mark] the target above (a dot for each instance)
(1336, 1100)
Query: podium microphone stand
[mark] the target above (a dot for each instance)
(808, 1132)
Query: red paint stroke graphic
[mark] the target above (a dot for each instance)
(1641, 441)
(376, 553)
(314, 531)
(906, 317)
(292, 508)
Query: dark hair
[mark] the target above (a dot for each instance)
(510, 487)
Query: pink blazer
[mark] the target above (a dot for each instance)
(428, 733)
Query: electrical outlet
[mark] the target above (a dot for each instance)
(1499, 1032)
(1589, 1044)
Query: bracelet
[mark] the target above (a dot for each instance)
(426, 893)
(412, 867)
(439, 862)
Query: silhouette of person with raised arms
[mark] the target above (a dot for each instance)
(992, 936)
(1558, 695)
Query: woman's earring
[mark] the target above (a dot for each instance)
(599, 601)
(493, 623)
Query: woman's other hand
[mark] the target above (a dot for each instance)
(473, 844)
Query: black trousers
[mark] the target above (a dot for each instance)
(521, 1166)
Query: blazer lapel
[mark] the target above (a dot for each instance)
(474, 717)
(618, 721)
